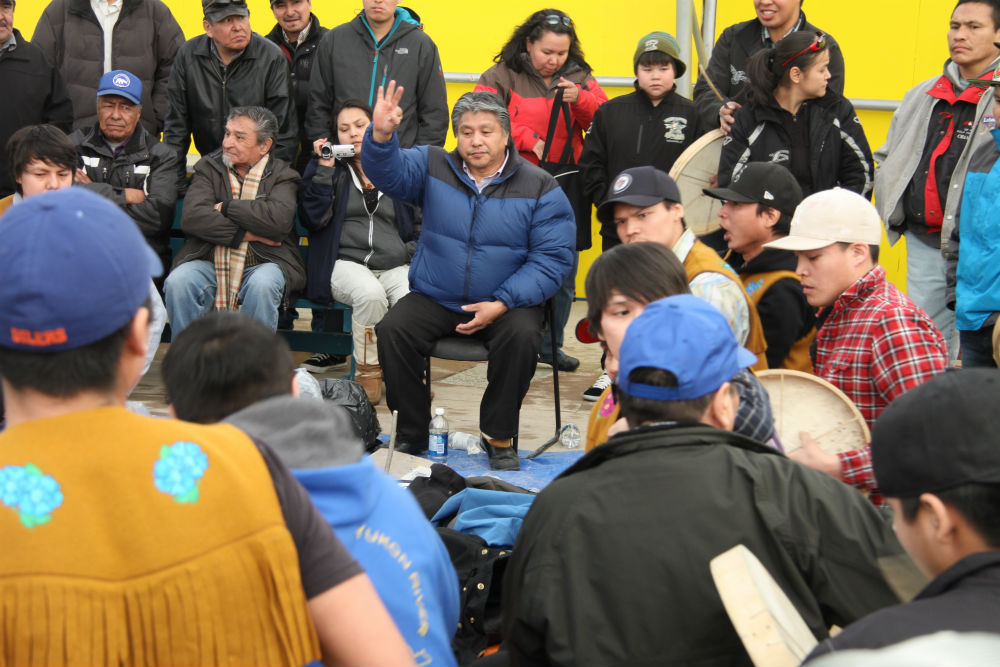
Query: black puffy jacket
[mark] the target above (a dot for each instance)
(839, 155)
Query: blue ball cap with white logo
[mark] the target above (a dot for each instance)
(74, 269)
(688, 337)
(123, 83)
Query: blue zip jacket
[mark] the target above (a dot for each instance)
(514, 242)
(976, 241)
(384, 528)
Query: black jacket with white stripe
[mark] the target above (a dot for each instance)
(837, 151)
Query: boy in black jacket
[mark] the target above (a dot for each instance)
(651, 126)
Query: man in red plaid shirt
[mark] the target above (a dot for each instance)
(872, 342)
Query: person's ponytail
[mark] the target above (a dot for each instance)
(768, 68)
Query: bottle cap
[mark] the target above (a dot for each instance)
(439, 411)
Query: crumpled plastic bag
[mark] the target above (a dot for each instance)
(351, 396)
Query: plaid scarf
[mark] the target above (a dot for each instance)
(230, 262)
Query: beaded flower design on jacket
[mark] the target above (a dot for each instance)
(33, 494)
(179, 470)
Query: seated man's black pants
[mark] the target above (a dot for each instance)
(408, 332)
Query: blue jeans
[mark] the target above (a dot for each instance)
(977, 348)
(190, 293)
(926, 287)
(563, 301)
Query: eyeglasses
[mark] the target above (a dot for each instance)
(555, 19)
(818, 44)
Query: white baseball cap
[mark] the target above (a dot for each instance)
(831, 216)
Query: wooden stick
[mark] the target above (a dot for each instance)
(701, 68)
(392, 439)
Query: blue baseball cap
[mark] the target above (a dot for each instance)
(688, 337)
(121, 82)
(74, 269)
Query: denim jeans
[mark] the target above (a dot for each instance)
(190, 293)
(977, 348)
(926, 287)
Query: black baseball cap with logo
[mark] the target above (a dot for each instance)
(216, 10)
(764, 183)
(638, 186)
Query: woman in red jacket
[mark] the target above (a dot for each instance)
(542, 57)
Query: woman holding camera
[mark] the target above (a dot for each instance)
(793, 119)
(360, 240)
(542, 58)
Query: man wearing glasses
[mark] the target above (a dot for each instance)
(727, 66)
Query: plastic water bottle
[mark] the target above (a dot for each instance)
(308, 385)
(570, 436)
(437, 445)
(467, 442)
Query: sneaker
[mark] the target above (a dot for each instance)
(596, 389)
(320, 363)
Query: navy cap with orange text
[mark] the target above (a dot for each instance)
(74, 269)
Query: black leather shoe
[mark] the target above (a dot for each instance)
(567, 364)
(501, 458)
(410, 448)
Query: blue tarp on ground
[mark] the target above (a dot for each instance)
(534, 475)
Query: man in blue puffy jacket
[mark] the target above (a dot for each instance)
(498, 238)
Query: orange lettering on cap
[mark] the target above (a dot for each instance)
(38, 338)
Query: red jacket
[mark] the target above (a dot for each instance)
(529, 101)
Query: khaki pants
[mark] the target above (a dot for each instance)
(370, 294)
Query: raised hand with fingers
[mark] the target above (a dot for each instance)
(387, 114)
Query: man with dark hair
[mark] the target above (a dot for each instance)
(222, 363)
(34, 89)
(497, 241)
(727, 66)
(383, 42)
(758, 208)
(872, 342)
(922, 166)
(127, 164)
(229, 66)
(667, 496)
(41, 158)
(88, 38)
(946, 507)
(644, 204)
(227, 366)
(297, 33)
(73, 332)
(239, 219)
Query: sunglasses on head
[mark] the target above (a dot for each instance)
(555, 19)
(818, 44)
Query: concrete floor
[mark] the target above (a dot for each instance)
(458, 388)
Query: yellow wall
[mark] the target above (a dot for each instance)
(889, 45)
